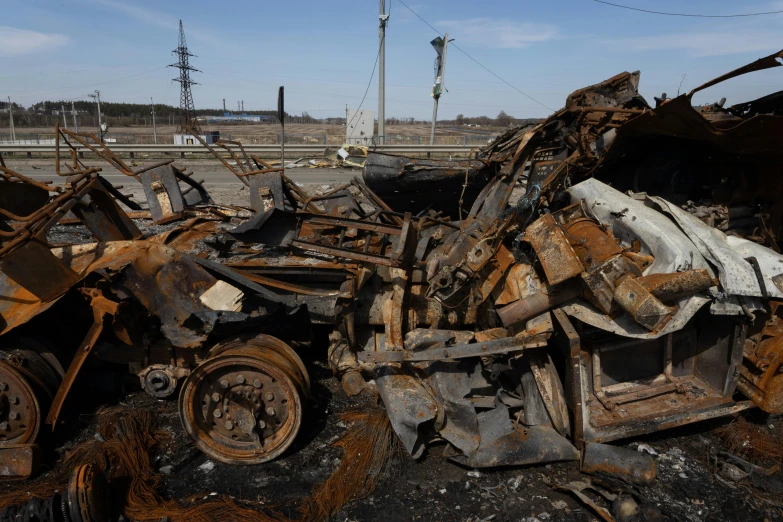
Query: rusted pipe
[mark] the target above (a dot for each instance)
(537, 303)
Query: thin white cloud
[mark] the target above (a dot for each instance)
(17, 42)
(499, 34)
(158, 19)
(705, 43)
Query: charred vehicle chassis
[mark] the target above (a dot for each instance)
(611, 271)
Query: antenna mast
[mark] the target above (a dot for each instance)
(187, 113)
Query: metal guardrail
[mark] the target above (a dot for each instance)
(291, 150)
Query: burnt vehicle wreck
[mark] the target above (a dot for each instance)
(609, 272)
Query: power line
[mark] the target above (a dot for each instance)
(476, 61)
(685, 14)
(377, 57)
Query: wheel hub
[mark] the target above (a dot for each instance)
(244, 404)
(20, 412)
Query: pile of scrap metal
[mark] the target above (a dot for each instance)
(203, 308)
(171, 192)
(606, 303)
(517, 334)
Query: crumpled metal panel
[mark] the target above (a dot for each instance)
(451, 385)
(164, 196)
(408, 405)
(525, 445)
(736, 275)
(631, 219)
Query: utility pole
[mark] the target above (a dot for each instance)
(65, 122)
(73, 112)
(440, 45)
(382, 74)
(97, 98)
(243, 106)
(11, 121)
(154, 129)
(224, 107)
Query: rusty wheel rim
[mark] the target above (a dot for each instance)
(20, 412)
(244, 405)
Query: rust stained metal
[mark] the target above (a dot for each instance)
(553, 249)
(87, 495)
(91, 142)
(673, 286)
(642, 305)
(761, 375)
(550, 388)
(624, 463)
(254, 389)
(359, 240)
(19, 460)
(20, 419)
(593, 243)
(534, 304)
(103, 310)
(773, 60)
(460, 350)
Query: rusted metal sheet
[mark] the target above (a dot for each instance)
(33, 267)
(19, 460)
(557, 257)
(642, 305)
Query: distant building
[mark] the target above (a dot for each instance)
(209, 137)
(239, 118)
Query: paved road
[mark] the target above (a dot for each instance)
(211, 175)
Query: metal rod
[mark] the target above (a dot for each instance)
(11, 120)
(154, 129)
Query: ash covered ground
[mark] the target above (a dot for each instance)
(434, 489)
(691, 483)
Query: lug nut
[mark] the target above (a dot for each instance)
(270, 397)
(257, 383)
(13, 415)
(240, 379)
(217, 413)
(224, 384)
(270, 411)
(261, 424)
(229, 425)
(3, 386)
(14, 400)
(216, 397)
(4, 426)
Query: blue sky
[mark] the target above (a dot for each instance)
(323, 51)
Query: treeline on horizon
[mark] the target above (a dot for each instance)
(46, 113)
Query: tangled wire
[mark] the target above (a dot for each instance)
(127, 440)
